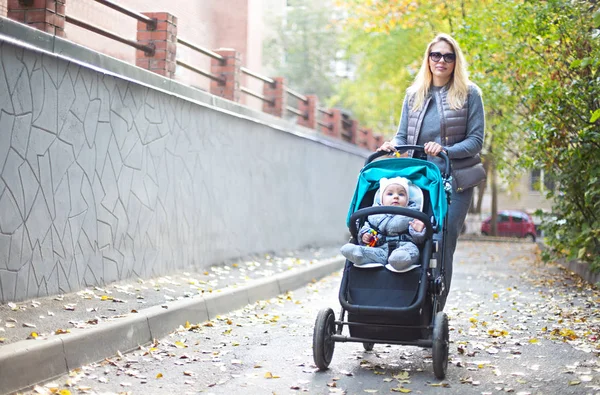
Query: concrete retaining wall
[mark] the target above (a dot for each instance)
(103, 178)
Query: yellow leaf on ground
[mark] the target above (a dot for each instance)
(402, 376)
(401, 390)
(159, 376)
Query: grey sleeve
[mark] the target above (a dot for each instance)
(418, 237)
(473, 143)
(401, 134)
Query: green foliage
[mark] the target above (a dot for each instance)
(560, 48)
(385, 67)
(303, 47)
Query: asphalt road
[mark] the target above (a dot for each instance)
(517, 326)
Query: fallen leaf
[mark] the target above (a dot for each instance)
(159, 376)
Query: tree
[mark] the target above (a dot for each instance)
(303, 47)
(560, 46)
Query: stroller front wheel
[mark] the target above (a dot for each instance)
(440, 346)
(323, 344)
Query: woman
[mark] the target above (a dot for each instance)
(443, 111)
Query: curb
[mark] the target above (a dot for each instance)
(581, 269)
(26, 363)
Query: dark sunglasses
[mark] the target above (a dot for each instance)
(437, 56)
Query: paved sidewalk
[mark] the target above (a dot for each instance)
(47, 337)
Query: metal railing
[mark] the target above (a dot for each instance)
(150, 23)
(300, 97)
(204, 51)
(259, 77)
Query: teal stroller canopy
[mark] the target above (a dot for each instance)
(426, 175)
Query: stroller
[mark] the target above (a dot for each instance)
(383, 306)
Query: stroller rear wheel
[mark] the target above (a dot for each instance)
(368, 346)
(323, 344)
(440, 345)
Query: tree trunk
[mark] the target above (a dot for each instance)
(494, 186)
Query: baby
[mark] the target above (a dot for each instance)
(379, 229)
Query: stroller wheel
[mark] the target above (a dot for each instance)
(440, 345)
(323, 344)
(368, 346)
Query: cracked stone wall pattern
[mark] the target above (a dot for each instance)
(102, 179)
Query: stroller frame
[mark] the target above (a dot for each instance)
(379, 324)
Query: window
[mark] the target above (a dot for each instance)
(539, 181)
(503, 218)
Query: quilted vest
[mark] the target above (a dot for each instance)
(453, 128)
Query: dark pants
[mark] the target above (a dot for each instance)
(457, 212)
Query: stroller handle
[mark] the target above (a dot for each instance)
(404, 148)
(365, 212)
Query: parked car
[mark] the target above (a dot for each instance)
(511, 224)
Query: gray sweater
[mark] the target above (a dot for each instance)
(430, 129)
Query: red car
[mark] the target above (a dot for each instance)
(511, 224)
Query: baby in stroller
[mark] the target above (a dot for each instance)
(381, 230)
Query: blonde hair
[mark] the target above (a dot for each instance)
(459, 81)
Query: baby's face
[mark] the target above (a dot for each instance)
(394, 195)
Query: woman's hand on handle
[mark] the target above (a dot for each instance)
(432, 148)
(387, 147)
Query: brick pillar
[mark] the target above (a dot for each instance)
(275, 92)
(310, 109)
(378, 139)
(335, 120)
(45, 15)
(353, 131)
(364, 138)
(164, 40)
(229, 71)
